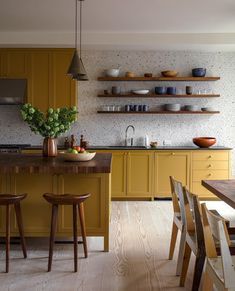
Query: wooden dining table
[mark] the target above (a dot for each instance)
(224, 189)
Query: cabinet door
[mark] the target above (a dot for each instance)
(168, 164)
(2, 64)
(139, 174)
(39, 80)
(118, 174)
(36, 212)
(64, 91)
(16, 64)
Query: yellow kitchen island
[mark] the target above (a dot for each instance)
(35, 175)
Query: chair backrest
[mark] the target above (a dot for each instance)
(197, 213)
(215, 231)
(189, 213)
(178, 198)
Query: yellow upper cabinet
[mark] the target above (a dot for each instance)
(63, 89)
(45, 69)
(14, 63)
(139, 173)
(169, 163)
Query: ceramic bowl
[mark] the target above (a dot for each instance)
(204, 142)
(80, 157)
(172, 107)
(169, 73)
(112, 72)
(171, 90)
(141, 92)
(199, 72)
(130, 74)
(153, 144)
(191, 108)
(160, 90)
(207, 109)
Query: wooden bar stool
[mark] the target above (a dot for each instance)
(8, 200)
(77, 202)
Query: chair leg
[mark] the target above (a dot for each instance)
(186, 259)
(83, 228)
(52, 235)
(20, 227)
(181, 252)
(7, 237)
(173, 240)
(198, 270)
(75, 238)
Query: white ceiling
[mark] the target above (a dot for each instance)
(110, 22)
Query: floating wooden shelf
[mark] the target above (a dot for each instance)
(186, 79)
(158, 112)
(159, 96)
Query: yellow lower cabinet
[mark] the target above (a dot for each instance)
(119, 174)
(36, 212)
(168, 163)
(94, 206)
(139, 173)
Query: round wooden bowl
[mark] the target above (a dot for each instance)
(80, 157)
(204, 142)
(169, 73)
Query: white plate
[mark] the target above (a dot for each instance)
(141, 92)
(82, 157)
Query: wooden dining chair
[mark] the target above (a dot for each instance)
(219, 270)
(178, 222)
(194, 242)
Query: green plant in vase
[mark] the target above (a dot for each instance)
(49, 125)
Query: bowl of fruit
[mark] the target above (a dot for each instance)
(77, 154)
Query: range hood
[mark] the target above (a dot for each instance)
(12, 91)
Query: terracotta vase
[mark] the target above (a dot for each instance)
(49, 147)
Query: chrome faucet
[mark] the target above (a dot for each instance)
(132, 138)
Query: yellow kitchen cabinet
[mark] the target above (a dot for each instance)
(36, 212)
(119, 173)
(64, 89)
(209, 165)
(45, 69)
(40, 90)
(169, 163)
(14, 63)
(139, 173)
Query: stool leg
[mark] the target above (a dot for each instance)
(75, 237)
(20, 227)
(7, 236)
(52, 235)
(83, 228)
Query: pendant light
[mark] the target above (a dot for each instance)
(76, 69)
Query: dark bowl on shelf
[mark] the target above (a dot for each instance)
(171, 90)
(204, 142)
(160, 90)
(199, 72)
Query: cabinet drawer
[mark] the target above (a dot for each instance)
(211, 156)
(210, 165)
(201, 191)
(199, 175)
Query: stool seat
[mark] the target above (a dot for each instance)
(65, 199)
(76, 201)
(7, 199)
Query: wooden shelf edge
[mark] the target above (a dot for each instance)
(158, 96)
(158, 112)
(190, 79)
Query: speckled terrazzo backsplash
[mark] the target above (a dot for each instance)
(101, 129)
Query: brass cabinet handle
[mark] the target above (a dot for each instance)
(209, 174)
(209, 166)
(172, 154)
(210, 157)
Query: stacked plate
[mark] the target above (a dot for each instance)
(172, 107)
(191, 108)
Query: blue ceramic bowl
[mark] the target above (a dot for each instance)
(171, 90)
(160, 90)
(199, 72)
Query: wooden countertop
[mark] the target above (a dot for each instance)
(35, 164)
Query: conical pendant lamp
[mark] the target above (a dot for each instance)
(76, 69)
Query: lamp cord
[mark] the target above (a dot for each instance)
(76, 23)
(80, 29)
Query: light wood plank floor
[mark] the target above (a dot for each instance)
(139, 242)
